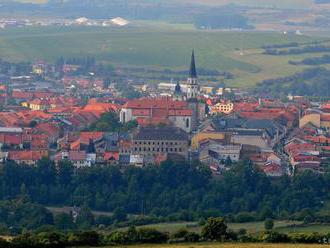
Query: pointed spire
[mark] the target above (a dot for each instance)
(192, 72)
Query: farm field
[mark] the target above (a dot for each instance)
(233, 245)
(157, 46)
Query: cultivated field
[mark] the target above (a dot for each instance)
(158, 46)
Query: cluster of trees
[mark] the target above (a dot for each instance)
(310, 82)
(223, 20)
(306, 49)
(128, 91)
(325, 59)
(276, 46)
(109, 122)
(175, 191)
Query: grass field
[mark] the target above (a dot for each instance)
(251, 227)
(156, 45)
(218, 245)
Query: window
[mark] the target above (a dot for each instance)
(187, 123)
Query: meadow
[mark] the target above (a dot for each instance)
(283, 226)
(159, 46)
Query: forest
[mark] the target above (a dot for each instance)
(312, 82)
(170, 192)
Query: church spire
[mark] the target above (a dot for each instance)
(193, 72)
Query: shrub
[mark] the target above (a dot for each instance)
(4, 243)
(214, 229)
(149, 235)
(307, 238)
(269, 224)
(274, 237)
(192, 237)
(181, 233)
(85, 238)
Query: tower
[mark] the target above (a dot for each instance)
(192, 82)
(192, 93)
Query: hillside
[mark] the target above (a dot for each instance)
(158, 46)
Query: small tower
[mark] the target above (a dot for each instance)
(192, 82)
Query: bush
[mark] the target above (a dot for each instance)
(181, 233)
(306, 238)
(149, 235)
(85, 238)
(214, 229)
(244, 217)
(269, 224)
(192, 237)
(274, 237)
(4, 243)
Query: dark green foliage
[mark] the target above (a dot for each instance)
(269, 224)
(85, 219)
(214, 229)
(109, 122)
(274, 237)
(170, 192)
(192, 237)
(4, 243)
(132, 235)
(119, 215)
(64, 221)
(221, 21)
(152, 236)
(312, 82)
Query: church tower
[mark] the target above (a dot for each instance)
(193, 92)
(192, 82)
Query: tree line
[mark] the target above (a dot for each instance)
(302, 50)
(172, 191)
(310, 82)
(215, 229)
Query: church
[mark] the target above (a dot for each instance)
(182, 111)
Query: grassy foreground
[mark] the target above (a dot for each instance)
(232, 245)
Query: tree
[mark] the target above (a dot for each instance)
(269, 224)
(119, 215)
(63, 221)
(214, 229)
(85, 219)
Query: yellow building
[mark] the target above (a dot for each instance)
(39, 104)
(207, 133)
(317, 118)
(222, 107)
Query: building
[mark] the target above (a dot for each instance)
(222, 107)
(162, 140)
(214, 152)
(317, 117)
(148, 111)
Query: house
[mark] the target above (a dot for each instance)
(222, 107)
(215, 153)
(272, 169)
(27, 157)
(77, 158)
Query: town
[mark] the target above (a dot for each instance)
(66, 112)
